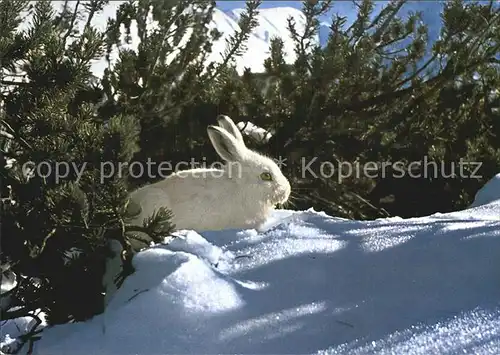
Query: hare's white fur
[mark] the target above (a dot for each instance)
(213, 199)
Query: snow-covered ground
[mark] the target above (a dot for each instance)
(309, 284)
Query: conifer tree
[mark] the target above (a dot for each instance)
(59, 212)
(168, 81)
(379, 92)
(68, 135)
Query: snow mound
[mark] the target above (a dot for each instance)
(307, 283)
(488, 193)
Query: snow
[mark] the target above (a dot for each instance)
(257, 50)
(252, 130)
(272, 22)
(308, 283)
(488, 193)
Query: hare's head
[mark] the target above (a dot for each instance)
(257, 174)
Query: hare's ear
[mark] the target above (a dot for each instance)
(225, 144)
(228, 124)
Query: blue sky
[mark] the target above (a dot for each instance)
(431, 9)
(343, 6)
(229, 5)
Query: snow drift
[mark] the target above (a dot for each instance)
(310, 283)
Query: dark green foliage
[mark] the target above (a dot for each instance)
(79, 133)
(378, 93)
(58, 218)
(164, 87)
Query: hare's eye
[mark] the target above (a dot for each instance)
(266, 176)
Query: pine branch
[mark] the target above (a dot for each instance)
(93, 7)
(14, 83)
(72, 22)
(247, 24)
(417, 73)
(15, 136)
(235, 43)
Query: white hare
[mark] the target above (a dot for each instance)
(240, 195)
